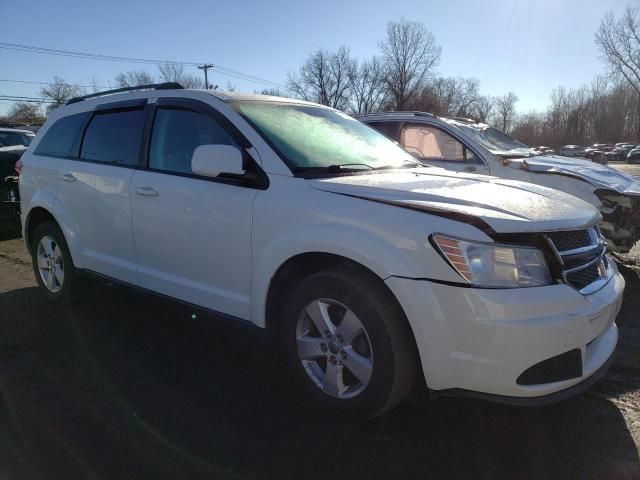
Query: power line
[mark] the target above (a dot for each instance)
(52, 83)
(114, 58)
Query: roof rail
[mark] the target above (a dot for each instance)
(152, 86)
(464, 120)
(411, 112)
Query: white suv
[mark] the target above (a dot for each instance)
(297, 218)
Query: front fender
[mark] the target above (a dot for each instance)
(372, 252)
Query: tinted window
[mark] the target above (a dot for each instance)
(433, 144)
(59, 138)
(177, 133)
(389, 129)
(10, 139)
(114, 137)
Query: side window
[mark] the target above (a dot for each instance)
(388, 129)
(430, 143)
(114, 137)
(177, 133)
(59, 138)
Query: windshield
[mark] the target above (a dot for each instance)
(10, 139)
(310, 137)
(497, 142)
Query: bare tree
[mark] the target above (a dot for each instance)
(619, 45)
(449, 96)
(25, 113)
(174, 72)
(58, 92)
(272, 91)
(411, 55)
(231, 87)
(134, 78)
(368, 89)
(505, 111)
(483, 108)
(325, 77)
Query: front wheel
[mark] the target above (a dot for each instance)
(348, 342)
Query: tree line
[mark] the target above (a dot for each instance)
(403, 75)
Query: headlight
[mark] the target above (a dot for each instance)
(495, 265)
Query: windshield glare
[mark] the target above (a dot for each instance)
(315, 137)
(497, 142)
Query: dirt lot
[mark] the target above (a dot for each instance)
(130, 386)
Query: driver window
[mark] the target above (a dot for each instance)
(429, 143)
(176, 134)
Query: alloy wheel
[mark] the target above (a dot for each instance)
(334, 348)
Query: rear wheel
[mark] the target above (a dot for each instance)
(348, 343)
(52, 262)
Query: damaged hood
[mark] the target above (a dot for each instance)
(504, 206)
(600, 176)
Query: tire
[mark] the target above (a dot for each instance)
(62, 276)
(347, 295)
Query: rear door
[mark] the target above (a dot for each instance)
(434, 146)
(192, 233)
(94, 185)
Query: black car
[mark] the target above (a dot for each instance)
(620, 152)
(596, 152)
(634, 155)
(9, 194)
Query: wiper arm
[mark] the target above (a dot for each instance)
(405, 164)
(335, 168)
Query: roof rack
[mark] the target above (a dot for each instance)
(416, 113)
(464, 119)
(152, 86)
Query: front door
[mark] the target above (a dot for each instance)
(192, 234)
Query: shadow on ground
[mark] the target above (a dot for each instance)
(131, 386)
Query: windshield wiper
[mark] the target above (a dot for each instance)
(405, 164)
(335, 168)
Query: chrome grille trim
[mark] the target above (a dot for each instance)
(597, 242)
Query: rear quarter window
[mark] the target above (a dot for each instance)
(60, 137)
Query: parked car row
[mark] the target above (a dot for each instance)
(369, 264)
(602, 152)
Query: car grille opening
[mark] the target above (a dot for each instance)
(582, 255)
(571, 240)
(556, 369)
(585, 277)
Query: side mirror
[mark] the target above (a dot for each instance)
(213, 160)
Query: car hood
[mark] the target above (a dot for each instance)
(18, 149)
(600, 176)
(504, 206)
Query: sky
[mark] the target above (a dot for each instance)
(525, 46)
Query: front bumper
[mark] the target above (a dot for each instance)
(482, 340)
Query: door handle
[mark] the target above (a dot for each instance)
(147, 191)
(68, 177)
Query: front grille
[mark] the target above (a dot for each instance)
(585, 277)
(581, 252)
(571, 240)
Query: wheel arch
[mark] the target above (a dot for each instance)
(46, 207)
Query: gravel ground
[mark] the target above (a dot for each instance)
(124, 385)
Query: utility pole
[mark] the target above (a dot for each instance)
(206, 67)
